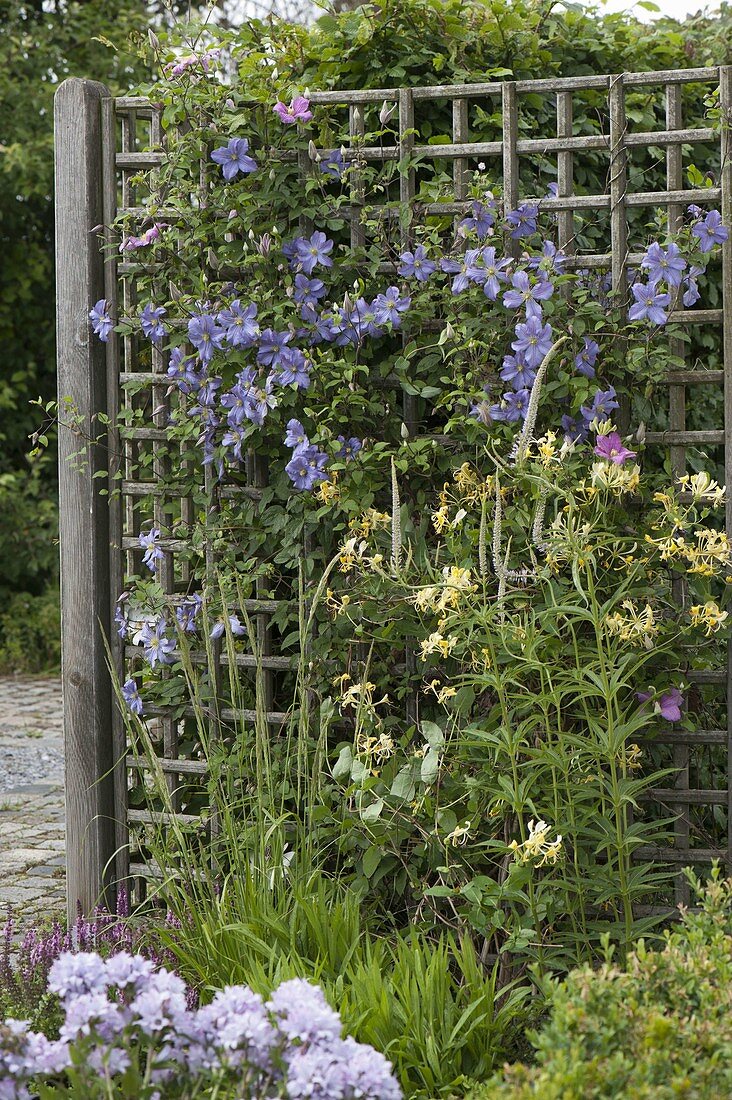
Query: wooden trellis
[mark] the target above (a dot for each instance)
(101, 146)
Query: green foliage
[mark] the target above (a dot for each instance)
(30, 632)
(658, 1029)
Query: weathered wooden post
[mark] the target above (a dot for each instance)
(84, 515)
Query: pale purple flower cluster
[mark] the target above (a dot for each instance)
(307, 465)
(667, 270)
(123, 1012)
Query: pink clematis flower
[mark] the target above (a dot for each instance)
(298, 111)
(129, 244)
(611, 447)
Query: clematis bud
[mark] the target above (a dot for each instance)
(265, 244)
(313, 151)
(346, 303)
(153, 39)
(386, 112)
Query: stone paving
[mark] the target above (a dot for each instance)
(32, 878)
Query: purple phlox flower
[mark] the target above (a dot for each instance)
(339, 1069)
(182, 371)
(239, 324)
(235, 1029)
(603, 403)
(465, 270)
(205, 335)
(296, 436)
(74, 974)
(311, 252)
(493, 273)
(349, 447)
(649, 304)
(533, 340)
(575, 430)
(151, 323)
(480, 222)
(271, 345)
(294, 369)
(187, 611)
(131, 696)
(585, 360)
(160, 1004)
(710, 231)
(524, 291)
(158, 648)
(102, 323)
(153, 553)
(129, 244)
(388, 307)
(91, 1013)
(307, 467)
(523, 220)
(298, 110)
(235, 626)
(303, 1014)
(332, 163)
(664, 266)
(308, 291)
(125, 969)
(416, 265)
(610, 447)
(234, 440)
(234, 158)
(517, 373)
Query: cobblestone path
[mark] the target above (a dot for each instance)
(31, 797)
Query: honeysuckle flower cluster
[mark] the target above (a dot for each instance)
(124, 1016)
(537, 845)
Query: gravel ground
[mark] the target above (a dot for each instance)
(32, 848)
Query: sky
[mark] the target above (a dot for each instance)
(678, 9)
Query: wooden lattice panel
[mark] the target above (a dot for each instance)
(132, 142)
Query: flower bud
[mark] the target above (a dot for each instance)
(313, 151)
(153, 39)
(386, 112)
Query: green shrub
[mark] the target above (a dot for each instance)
(30, 632)
(660, 1028)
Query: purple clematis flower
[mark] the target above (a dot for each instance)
(187, 611)
(131, 696)
(271, 347)
(296, 436)
(307, 291)
(158, 648)
(332, 164)
(585, 360)
(151, 322)
(298, 110)
(603, 403)
(533, 340)
(649, 304)
(480, 222)
(182, 371)
(416, 265)
(205, 335)
(153, 553)
(102, 323)
(239, 324)
(388, 307)
(523, 220)
(465, 270)
(517, 373)
(307, 467)
(493, 273)
(235, 626)
(523, 292)
(575, 429)
(668, 705)
(293, 370)
(710, 231)
(610, 447)
(313, 252)
(350, 447)
(664, 266)
(234, 158)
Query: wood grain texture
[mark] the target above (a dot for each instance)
(84, 515)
